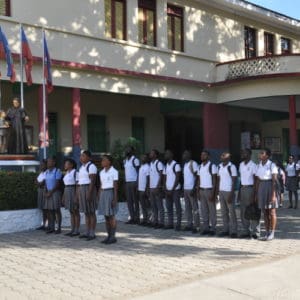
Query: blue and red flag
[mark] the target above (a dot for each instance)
(6, 54)
(47, 64)
(27, 57)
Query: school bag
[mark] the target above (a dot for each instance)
(97, 181)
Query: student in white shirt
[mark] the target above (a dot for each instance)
(87, 194)
(108, 201)
(292, 173)
(227, 175)
(143, 189)
(172, 172)
(156, 182)
(131, 166)
(207, 182)
(70, 200)
(266, 192)
(247, 171)
(190, 169)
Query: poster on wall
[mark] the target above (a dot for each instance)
(273, 143)
(245, 140)
(255, 140)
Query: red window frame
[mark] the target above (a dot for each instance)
(250, 42)
(172, 12)
(288, 42)
(269, 43)
(148, 5)
(113, 18)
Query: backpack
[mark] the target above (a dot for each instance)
(180, 182)
(134, 158)
(210, 169)
(97, 182)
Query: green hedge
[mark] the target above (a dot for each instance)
(17, 190)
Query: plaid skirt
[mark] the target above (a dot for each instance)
(70, 198)
(53, 202)
(105, 203)
(264, 195)
(40, 198)
(85, 206)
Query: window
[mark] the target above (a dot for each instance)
(175, 28)
(96, 133)
(5, 8)
(269, 43)
(250, 42)
(147, 22)
(138, 130)
(115, 19)
(285, 46)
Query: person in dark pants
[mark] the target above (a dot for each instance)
(292, 172)
(131, 166)
(172, 172)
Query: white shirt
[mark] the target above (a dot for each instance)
(70, 177)
(206, 181)
(291, 169)
(41, 177)
(189, 170)
(83, 175)
(108, 177)
(144, 172)
(247, 172)
(154, 175)
(130, 166)
(225, 177)
(170, 171)
(265, 172)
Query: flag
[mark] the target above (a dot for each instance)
(47, 67)
(27, 57)
(6, 54)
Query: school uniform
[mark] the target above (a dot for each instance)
(190, 170)
(41, 190)
(291, 177)
(264, 193)
(225, 174)
(172, 196)
(70, 179)
(206, 192)
(107, 179)
(85, 206)
(158, 212)
(143, 175)
(248, 172)
(131, 174)
(54, 201)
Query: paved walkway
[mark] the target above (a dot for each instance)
(34, 265)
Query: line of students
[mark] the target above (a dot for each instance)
(205, 182)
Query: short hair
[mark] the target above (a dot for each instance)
(291, 155)
(16, 98)
(108, 157)
(72, 162)
(88, 153)
(267, 151)
(249, 151)
(206, 151)
(52, 157)
(155, 151)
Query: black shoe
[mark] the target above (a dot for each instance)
(194, 231)
(223, 234)
(75, 234)
(50, 231)
(57, 231)
(111, 241)
(177, 228)
(83, 236)
(40, 228)
(91, 237)
(245, 236)
(212, 233)
(69, 233)
(160, 226)
(169, 227)
(233, 235)
(188, 228)
(290, 206)
(205, 232)
(130, 222)
(105, 240)
(144, 223)
(255, 236)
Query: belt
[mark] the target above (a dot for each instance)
(265, 179)
(70, 185)
(250, 185)
(84, 184)
(109, 189)
(205, 189)
(291, 176)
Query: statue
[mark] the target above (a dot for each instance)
(3, 132)
(16, 140)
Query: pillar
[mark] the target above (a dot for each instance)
(43, 143)
(215, 129)
(76, 129)
(294, 148)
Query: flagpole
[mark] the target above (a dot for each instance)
(44, 98)
(21, 68)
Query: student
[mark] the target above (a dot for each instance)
(41, 193)
(292, 172)
(190, 169)
(131, 166)
(172, 172)
(247, 171)
(69, 198)
(156, 181)
(207, 181)
(53, 195)
(87, 194)
(108, 201)
(143, 188)
(266, 195)
(281, 181)
(227, 175)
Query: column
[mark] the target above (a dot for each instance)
(132, 21)
(162, 24)
(76, 129)
(215, 129)
(294, 148)
(43, 143)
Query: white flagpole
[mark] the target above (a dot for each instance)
(44, 99)
(21, 69)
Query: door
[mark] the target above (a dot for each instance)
(96, 133)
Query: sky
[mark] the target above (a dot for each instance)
(290, 8)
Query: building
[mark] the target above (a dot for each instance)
(173, 74)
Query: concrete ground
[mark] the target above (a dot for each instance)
(152, 264)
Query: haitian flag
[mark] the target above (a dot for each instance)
(6, 54)
(47, 67)
(27, 57)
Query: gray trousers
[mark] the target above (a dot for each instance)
(246, 198)
(191, 209)
(157, 207)
(132, 200)
(145, 205)
(228, 212)
(208, 209)
(171, 199)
